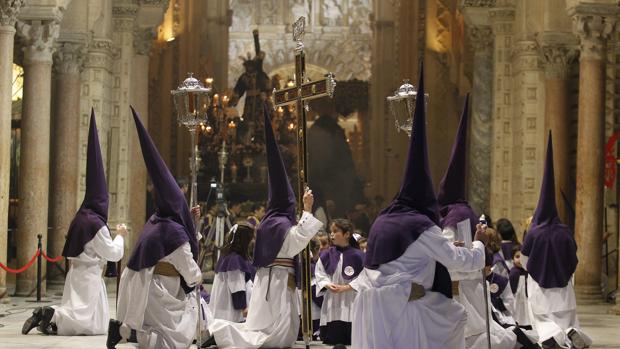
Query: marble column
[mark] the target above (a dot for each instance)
(139, 98)
(593, 29)
(8, 17)
(38, 37)
(557, 59)
(479, 162)
(69, 59)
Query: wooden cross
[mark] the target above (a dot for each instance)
(300, 94)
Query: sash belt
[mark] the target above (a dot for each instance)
(455, 288)
(165, 269)
(281, 262)
(417, 292)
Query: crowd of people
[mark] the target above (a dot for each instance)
(428, 273)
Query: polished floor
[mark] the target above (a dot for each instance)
(602, 327)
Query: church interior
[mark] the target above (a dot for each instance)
(528, 66)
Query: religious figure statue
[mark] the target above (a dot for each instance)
(256, 86)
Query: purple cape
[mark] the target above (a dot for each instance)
(501, 282)
(351, 257)
(515, 274)
(549, 244)
(414, 209)
(507, 250)
(280, 214)
(93, 213)
(232, 262)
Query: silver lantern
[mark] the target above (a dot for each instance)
(402, 106)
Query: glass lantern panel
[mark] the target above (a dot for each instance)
(180, 104)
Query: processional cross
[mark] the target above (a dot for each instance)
(299, 94)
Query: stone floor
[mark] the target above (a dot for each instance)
(602, 327)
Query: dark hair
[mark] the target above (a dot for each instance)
(239, 241)
(256, 205)
(506, 230)
(515, 249)
(346, 226)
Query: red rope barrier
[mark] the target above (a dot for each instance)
(22, 269)
(51, 260)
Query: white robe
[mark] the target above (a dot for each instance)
(272, 323)
(224, 285)
(84, 308)
(521, 312)
(553, 311)
(471, 296)
(383, 317)
(336, 306)
(157, 307)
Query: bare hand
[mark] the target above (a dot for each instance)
(481, 234)
(459, 243)
(196, 212)
(308, 200)
(343, 288)
(121, 229)
(332, 287)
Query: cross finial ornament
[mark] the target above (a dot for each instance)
(299, 29)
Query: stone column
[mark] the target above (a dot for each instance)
(139, 98)
(592, 24)
(69, 59)
(39, 37)
(8, 17)
(479, 162)
(557, 59)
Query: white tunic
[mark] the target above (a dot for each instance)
(157, 307)
(553, 311)
(383, 317)
(521, 312)
(273, 320)
(224, 285)
(84, 307)
(336, 306)
(471, 296)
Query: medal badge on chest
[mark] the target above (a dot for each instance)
(349, 271)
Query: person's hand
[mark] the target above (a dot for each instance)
(121, 229)
(481, 234)
(196, 212)
(459, 243)
(332, 287)
(308, 200)
(343, 288)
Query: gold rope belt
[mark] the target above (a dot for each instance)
(282, 262)
(455, 288)
(417, 292)
(165, 269)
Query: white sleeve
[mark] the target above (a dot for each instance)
(449, 234)
(299, 235)
(235, 280)
(362, 281)
(456, 258)
(105, 247)
(321, 278)
(524, 260)
(183, 261)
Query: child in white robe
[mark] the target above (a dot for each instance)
(232, 284)
(518, 285)
(335, 269)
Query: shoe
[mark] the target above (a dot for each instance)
(133, 337)
(550, 344)
(576, 340)
(114, 334)
(209, 342)
(52, 329)
(32, 321)
(46, 317)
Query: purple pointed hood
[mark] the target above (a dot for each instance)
(172, 223)
(454, 207)
(414, 209)
(93, 213)
(280, 212)
(549, 244)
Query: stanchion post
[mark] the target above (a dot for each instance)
(39, 249)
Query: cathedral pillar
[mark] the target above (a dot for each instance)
(480, 37)
(38, 37)
(593, 24)
(558, 56)
(139, 97)
(68, 60)
(8, 17)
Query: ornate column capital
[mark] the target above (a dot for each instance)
(481, 39)
(143, 40)
(8, 12)
(39, 39)
(557, 59)
(69, 57)
(593, 24)
(124, 16)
